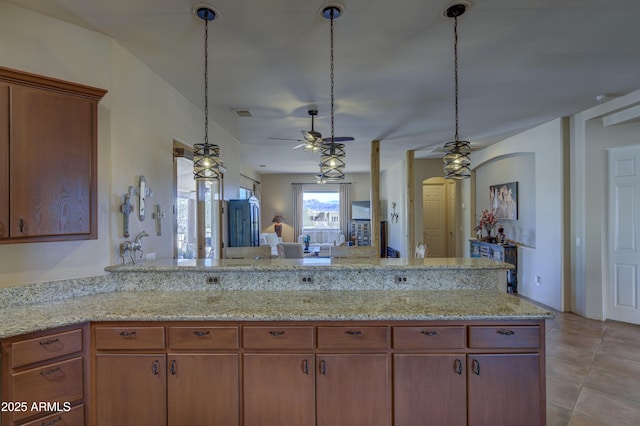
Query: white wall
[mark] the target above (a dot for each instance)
(589, 142)
(549, 258)
(393, 184)
(277, 198)
(137, 122)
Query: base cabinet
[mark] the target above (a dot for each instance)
(369, 373)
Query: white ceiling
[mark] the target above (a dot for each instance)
(522, 62)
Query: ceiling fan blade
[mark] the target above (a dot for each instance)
(339, 139)
(287, 139)
(299, 145)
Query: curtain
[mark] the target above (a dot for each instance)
(345, 208)
(297, 210)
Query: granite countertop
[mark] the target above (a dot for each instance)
(259, 305)
(266, 265)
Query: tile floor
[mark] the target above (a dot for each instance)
(593, 372)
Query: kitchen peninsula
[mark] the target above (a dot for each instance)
(308, 341)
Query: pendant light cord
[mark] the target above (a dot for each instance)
(206, 77)
(332, 84)
(455, 53)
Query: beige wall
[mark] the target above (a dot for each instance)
(276, 196)
(137, 122)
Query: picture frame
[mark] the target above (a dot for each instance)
(503, 199)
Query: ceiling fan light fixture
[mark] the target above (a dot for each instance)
(207, 165)
(457, 164)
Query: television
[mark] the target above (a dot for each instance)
(361, 210)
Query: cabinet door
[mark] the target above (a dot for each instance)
(52, 167)
(504, 389)
(203, 389)
(131, 390)
(4, 161)
(353, 390)
(429, 390)
(279, 390)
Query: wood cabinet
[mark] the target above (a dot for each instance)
(48, 159)
(244, 222)
(44, 377)
(322, 373)
(494, 376)
(189, 378)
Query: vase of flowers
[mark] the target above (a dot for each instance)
(488, 221)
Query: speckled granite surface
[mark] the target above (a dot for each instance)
(269, 306)
(382, 289)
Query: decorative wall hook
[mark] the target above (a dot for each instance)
(158, 215)
(142, 191)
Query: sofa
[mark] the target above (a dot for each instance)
(270, 239)
(322, 238)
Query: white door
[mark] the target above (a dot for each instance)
(624, 218)
(434, 219)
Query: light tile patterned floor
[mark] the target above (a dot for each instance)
(593, 372)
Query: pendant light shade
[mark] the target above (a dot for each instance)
(206, 157)
(457, 164)
(332, 159)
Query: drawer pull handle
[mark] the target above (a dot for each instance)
(457, 366)
(52, 422)
(506, 332)
(21, 225)
(475, 367)
(49, 342)
(276, 333)
(47, 372)
(201, 333)
(128, 333)
(155, 367)
(323, 368)
(305, 367)
(430, 333)
(174, 367)
(354, 332)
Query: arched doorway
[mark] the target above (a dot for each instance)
(439, 217)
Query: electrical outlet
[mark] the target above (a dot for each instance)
(400, 279)
(306, 279)
(538, 280)
(214, 280)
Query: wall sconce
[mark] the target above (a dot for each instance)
(394, 214)
(142, 191)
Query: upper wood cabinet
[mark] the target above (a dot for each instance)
(48, 158)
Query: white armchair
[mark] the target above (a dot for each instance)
(270, 239)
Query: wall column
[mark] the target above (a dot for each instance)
(410, 207)
(375, 194)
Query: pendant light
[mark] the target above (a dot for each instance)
(206, 157)
(332, 157)
(456, 158)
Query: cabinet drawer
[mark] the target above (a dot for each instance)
(46, 347)
(277, 337)
(428, 337)
(484, 337)
(203, 337)
(73, 417)
(339, 338)
(58, 382)
(129, 337)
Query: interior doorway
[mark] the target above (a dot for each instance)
(439, 217)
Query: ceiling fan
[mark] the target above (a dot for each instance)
(313, 139)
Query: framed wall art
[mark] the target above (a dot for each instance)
(504, 200)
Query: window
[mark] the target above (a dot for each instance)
(197, 208)
(321, 210)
